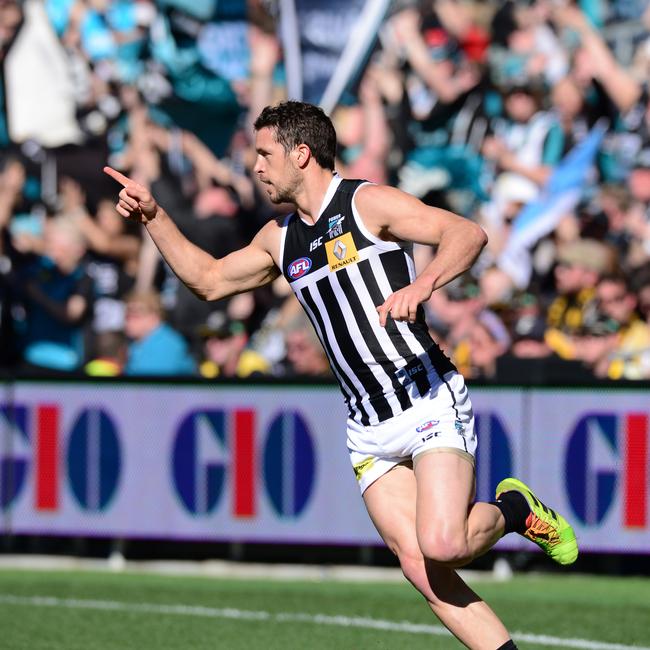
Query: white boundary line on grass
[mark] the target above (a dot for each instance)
(291, 617)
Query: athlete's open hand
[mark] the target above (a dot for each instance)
(135, 201)
(403, 304)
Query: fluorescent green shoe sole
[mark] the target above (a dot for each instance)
(549, 530)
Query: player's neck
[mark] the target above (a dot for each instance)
(310, 197)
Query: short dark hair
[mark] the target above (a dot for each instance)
(618, 277)
(298, 123)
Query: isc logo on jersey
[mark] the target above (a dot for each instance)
(341, 252)
(299, 267)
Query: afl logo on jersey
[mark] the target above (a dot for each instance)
(299, 267)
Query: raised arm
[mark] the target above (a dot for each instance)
(437, 76)
(209, 278)
(394, 215)
(623, 89)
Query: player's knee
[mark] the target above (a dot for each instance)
(423, 575)
(446, 548)
(412, 566)
(410, 560)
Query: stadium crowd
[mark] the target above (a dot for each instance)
(531, 117)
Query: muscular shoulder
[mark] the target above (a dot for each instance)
(379, 206)
(269, 237)
(394, 215)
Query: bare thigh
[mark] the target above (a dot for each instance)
(445, 489)
(391, 503)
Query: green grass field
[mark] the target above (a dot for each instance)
(82, 610)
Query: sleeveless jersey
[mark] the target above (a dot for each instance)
(341, 273)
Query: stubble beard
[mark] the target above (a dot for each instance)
(286, 193)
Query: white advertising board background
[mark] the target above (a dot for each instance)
(177, 473)
(589, 457)
(269, 463)
(500, 422)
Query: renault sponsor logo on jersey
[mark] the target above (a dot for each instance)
(341, 252)
(335, 226)
(299, 267)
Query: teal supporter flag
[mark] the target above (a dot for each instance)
(201, 101)
(326, 44)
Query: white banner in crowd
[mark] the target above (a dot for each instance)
(269, 464)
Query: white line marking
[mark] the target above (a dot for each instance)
(293, 617)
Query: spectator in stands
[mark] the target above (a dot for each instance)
(439, 118)
(209, 198)
(109, 355)
(305, 356)
(57, 294)
(225, 351)
(527, 326)
(431, 101)
(641, 64)
(155, 348)
(433, 52)
(524, 47)
(363, 136)
(452, 313)
(580, 264)
(11, 15)
(594, 68)
(628, 354)
(520, 143)
(112, 255)
(626, 226)
(489, 339)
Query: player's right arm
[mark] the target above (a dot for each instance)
(209, 278)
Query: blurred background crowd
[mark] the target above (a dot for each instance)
(530, 117)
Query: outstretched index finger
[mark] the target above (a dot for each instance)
(119, 177)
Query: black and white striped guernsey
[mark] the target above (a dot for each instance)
(340, 273)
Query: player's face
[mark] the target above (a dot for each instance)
(275, 168)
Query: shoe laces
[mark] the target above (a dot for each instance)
(541, 531)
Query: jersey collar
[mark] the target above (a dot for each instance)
(329, 194)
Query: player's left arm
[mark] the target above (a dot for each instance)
(394, 215)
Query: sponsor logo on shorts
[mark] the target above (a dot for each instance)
(341, 252)
(361, 468)
(427, 425)
(299, 267)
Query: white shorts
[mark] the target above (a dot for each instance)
(442, 420)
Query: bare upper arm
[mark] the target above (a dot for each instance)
(394, 215)
(250, 267)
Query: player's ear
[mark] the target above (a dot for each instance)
(302, 155)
